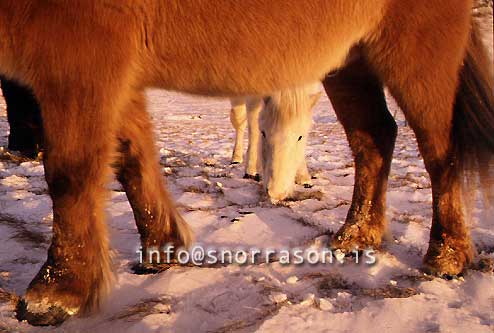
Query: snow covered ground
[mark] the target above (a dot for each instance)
(195, 140)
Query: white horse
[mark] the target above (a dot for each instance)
(280, 125)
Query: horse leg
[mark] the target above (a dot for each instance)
(79, 144)
(238, 118)
(449, 247)
(157, 219)
(254, 106)
(423, 77)
(303, 176)
(24, 119)
(359, 102)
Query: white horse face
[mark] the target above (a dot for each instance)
(285, 122)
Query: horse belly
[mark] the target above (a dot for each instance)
(239, 58)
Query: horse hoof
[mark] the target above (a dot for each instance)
(308, 186)
(447, 259)
(441, 268)
(255, 177)
(42, 314)
(353, 237)
(435, 273)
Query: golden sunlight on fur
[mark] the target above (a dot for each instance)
(88, 63)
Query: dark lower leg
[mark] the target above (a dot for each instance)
(24, 119)
(157, 218)
(359, 102)
(450, 248)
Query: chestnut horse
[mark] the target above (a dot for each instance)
(88, 63)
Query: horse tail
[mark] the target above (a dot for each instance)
(473, 120)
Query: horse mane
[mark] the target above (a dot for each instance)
(285, 105)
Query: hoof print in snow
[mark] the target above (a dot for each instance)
(146, 269)
(485, 265)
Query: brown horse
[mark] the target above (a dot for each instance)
(88, 63)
